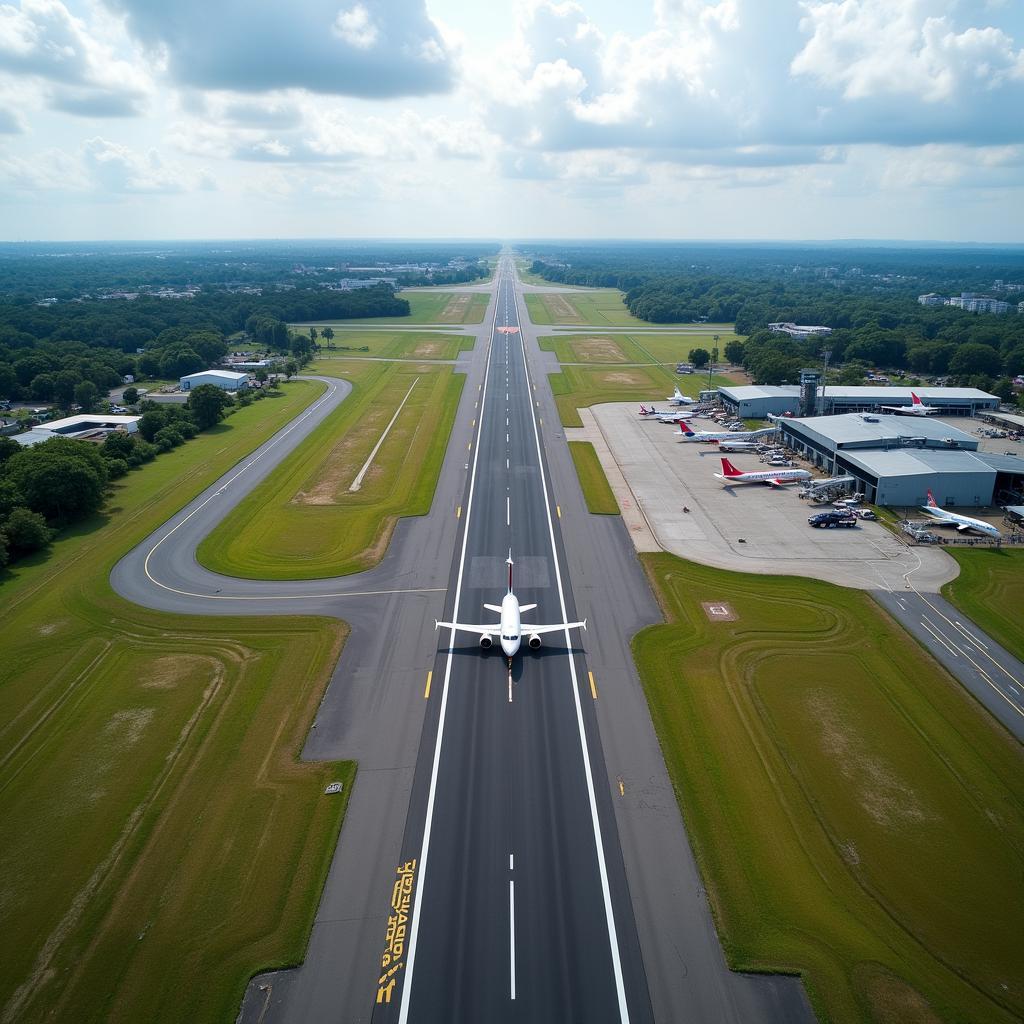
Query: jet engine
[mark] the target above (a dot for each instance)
(534, 641)
(486, 641)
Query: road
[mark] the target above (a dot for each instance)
(554, 810)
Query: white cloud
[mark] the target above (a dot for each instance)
(377, 48)
(357, 28)
(41, 39)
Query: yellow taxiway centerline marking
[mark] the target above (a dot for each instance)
(473, 424)
(458, 512)
(558, 509)
(622, 787)
(426, 692)
(469, 446)
(593, 686)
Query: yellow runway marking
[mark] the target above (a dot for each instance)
(473, 424)
(458, 512)
(558, 509)
(622, 787)
(593, 686)
(426, 692)
(469, 446)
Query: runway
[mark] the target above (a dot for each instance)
(556, 860)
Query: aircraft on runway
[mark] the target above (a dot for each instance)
(714, 436)
(511, 629)
(944, 518)
(679, 398)
(916, 408)
(775, 478)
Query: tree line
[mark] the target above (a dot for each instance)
(52, 485)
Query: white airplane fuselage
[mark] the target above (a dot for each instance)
(941, 516)
(511, 624)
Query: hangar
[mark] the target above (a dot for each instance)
(896, 460)
(218, 378)
(757, 401)
(85, 427)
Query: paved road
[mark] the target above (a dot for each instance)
(989, 672)
(512, 778)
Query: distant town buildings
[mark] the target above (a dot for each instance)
(799, 331)
(969, 301)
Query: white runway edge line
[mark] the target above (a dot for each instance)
(358, 482)
(410, 963)
(598, 839)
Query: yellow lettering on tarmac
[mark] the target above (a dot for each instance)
(392, 961)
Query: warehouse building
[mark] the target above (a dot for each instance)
(86, 427)
(757, 401)
(225, 379)
(896, 460)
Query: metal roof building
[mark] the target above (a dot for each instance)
(219, 378)
(757, 401)
(87, 427)
(897, 459)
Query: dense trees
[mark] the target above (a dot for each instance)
(867, 296)
(207, 403)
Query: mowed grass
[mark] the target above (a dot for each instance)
(596, 490)
(392, 345)
(578, 387)
(857, 818)
(662, 350)
(430, 307)
(599, 307)
(990, 591)
(303, 522)
(161, 839)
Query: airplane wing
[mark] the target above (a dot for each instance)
(469, 627)
(555, 627)
(779, 483)
(963, 526)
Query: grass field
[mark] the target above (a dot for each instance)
(577, 387)
(599, 307)
(396, 345)
(663, 350)
(596, 490)
(856, 817)
(428, 308)
(303, 522)
(990, 591)
(161, 840)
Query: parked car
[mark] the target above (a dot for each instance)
(831, 520)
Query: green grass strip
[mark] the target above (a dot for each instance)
(990, 591)
(596, 490)
(857, 818)
(162, 841)
(302, 522)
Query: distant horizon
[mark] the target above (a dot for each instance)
(847, 242)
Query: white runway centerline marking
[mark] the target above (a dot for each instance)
(512, 936)
(508, 511)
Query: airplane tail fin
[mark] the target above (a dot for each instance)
(914, 400)
(684, 427)
(509, 563)
(932, 503)
(728, 469)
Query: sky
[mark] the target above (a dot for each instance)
(506, 119)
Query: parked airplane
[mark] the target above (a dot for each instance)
(738, 446)
(714, 436)
(511, 629)
(674, 416)
(774, 477)
(944, 518)
(679, 398)
(916, 408)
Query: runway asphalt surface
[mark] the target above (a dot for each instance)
(989, 672)
(517, 831)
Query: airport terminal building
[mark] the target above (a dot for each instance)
(896, 460)
(757, 401)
